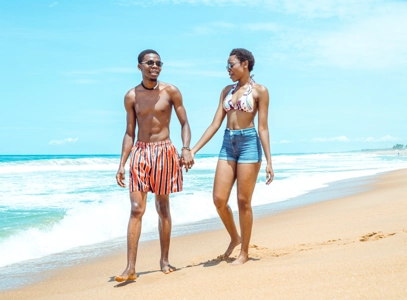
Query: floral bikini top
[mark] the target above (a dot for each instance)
(245, 103)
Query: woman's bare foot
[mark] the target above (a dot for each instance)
(240, 260)
(230, 249)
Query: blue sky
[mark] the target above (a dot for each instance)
(336, 70)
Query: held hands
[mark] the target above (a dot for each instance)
(120, 177)
(269, 174)
(187, 158)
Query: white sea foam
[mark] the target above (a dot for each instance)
(95, 209)
(84, 224)
(60, 165)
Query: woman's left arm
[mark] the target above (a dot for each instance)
(263, 108)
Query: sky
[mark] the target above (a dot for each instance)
(336, 70)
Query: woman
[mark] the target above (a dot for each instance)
(241, 153)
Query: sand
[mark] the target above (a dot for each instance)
(354, 247)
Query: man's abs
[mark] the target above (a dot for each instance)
(153, 134)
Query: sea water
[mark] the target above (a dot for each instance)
(51, 205)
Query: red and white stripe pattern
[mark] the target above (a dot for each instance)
(155, 167)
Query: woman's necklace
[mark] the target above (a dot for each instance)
(150, 89)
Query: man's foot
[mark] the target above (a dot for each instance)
(125, 277)
(240, 260)
(168, 269)
(230, 249)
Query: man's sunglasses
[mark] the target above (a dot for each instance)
(151, 63)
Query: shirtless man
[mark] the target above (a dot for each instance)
(154, 162)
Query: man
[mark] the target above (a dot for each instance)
(154, 163)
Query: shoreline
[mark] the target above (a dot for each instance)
(39, 269)
(390, 152)
(304, 236)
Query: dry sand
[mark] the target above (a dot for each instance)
(349, 248)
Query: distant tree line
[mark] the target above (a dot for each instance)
(399, 147)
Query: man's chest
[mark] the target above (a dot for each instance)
(157, 105)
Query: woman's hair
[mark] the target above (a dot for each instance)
(243, 55)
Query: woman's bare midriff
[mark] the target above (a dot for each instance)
(239, 120)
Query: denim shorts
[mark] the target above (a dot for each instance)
(241, 145)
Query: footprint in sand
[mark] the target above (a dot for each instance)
(257, 247)
(374, 236)
(256, 251)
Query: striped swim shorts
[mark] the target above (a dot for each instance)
(155, 167)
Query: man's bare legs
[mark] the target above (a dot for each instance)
(246, 181)
(225, 176)
(138, 207)
(162, 205)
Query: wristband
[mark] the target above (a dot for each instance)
(186, 148)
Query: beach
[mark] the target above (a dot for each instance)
(352, 247)
(398, 152)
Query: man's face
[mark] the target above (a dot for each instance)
(151, 66)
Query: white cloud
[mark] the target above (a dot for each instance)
(376, 42)
(342, 138)
(334, 139)
(303, 8)
(225, 27)
(387, 138)
(372, 36)
(285, 142)
(363, 34)
(323, 8)
(62, 142)
(212, 28)
(360, 34)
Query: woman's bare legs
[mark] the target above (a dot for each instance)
(246, 181)
(225, 177)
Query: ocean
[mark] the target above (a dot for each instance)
(60, 210)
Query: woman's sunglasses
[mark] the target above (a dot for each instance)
(230, 66)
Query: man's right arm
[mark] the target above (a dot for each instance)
(129, 136)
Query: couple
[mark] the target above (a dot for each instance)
(155, 165)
